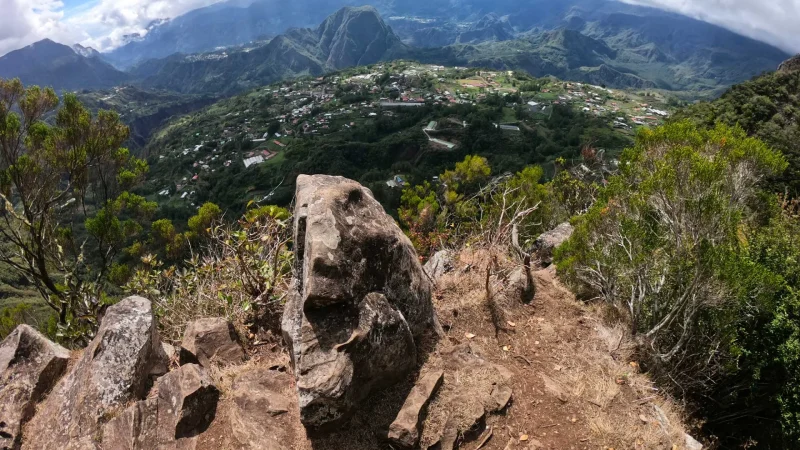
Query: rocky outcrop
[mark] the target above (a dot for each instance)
(185, 407)
(545, 245)
(211, 340)
(404, 431)
(359, 301)
(790, 65)
(259, 414)
(440, 264)
(29, 366)
(115, 369)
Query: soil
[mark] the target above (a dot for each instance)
(574, 386)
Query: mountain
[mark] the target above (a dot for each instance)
(223, 24)
(352, 36)
(47, 63)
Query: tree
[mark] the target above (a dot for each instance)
(62, 197)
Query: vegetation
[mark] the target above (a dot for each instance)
(766, 107)
(684, 245)
(64, 207)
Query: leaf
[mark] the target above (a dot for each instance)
(511, 324)
(523, 437)
(469, 335)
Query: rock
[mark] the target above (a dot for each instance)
(115, 369)
(440, 264)
(136, 428)
(211, 340)
(359, 299)
(790, 65)
(484, 390)
(520, 286)
(29, 367)
(185, 406)
(191, 397)
(404, 431)
(500, 397)
(259, 411)
(554, 388)
(545, 245)
(692, 443)
(465, 421)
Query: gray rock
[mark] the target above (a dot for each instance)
(212, 340)
(692, 443)
(185, 407)
(404, 431)
(29, 367)
(546, 244)
(440, 264)
(259, 414)
(359, 300)
(115, 369)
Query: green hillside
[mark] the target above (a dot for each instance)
(377, 122)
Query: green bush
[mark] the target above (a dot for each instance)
(684, 245)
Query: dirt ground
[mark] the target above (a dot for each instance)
(574, 386)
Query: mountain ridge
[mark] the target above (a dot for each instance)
(48, 63)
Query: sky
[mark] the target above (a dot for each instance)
(103, 24)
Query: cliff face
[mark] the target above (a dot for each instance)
(790, 65)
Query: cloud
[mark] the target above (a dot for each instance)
(107, 22)
(771, 21)
(102, 24)
(23, 22)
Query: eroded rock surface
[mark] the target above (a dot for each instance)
(359, 302)
(29, 367)
(211, 340)
(404, 431)
(545, 245)
(184, 408)
(115, 369)
(440, 264)
(259, 414)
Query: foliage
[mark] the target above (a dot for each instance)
(62, 186)
(675, 244)
(767, 107)
(468, 204)
(239, 272)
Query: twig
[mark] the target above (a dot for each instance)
(524, 359)
(485, 439)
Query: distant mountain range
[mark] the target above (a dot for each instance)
(237, 45)
(47, 63)
(352, 36)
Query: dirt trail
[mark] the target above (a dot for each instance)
(573, 384)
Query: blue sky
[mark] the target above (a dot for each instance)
(103, 24)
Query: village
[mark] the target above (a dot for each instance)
(255, 129)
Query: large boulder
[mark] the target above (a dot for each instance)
(30, 365)
(116, 368)
(546, 244)
(360, 299)
(184, 408)
(211, 340)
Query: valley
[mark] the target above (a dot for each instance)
(392, 121)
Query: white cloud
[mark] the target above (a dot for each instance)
(772, 21)
(101, 24)
(24, 22)
(108, 21)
